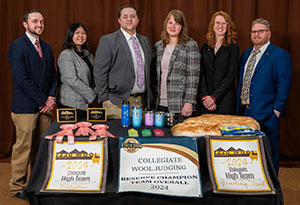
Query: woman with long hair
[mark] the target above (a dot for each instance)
(219, 64)
(177, 68)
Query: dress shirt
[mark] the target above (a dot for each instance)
(258, 57)
(135, 89)
(32, 39)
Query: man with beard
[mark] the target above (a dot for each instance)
(264, 83)
(34, 82)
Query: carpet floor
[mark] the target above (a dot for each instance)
(289, 179)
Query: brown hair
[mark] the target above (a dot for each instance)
(230, 35)
(25, 17)
(179, 18)
(128, 6)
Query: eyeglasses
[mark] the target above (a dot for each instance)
(258, 31)
(221, 23)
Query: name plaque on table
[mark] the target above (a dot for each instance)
(166, 166)
(237, 165)
(77, 168)
(66, 115)
(96, 114)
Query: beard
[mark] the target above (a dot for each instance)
(260, 41)
(33, 32)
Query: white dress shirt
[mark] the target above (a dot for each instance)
(135, 89)
(258, 57)
(32, 39)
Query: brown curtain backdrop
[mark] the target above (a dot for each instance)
(100, 17)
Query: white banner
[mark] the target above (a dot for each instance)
(77, 168)
(167, 166)
(238, 165)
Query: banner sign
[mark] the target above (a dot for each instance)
(167, 166)
(237, 165)
(77, 168)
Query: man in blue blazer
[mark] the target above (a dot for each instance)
(264, 84)
(121, 73)
(34, 85)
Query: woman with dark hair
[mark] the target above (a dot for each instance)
(177, 68)
(219, 63)
(75, 66)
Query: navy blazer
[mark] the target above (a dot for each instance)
(270, 83)
(34, 79)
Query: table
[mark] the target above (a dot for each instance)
(111, 197)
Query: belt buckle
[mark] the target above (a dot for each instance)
(135, 95)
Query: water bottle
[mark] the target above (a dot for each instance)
(159, 119)
(125, 114)
(137, 116)
(149, 118)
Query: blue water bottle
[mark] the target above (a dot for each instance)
(159, 119)
(137, 116)
(125, 114)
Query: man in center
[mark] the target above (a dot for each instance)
(122, 65)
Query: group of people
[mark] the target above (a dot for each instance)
(125, 68)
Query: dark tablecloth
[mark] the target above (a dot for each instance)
(111, 197)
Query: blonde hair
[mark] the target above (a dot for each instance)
(230, 35)
(179, 18)
(261, 21)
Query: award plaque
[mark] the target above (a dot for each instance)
(96, 114)
(66, 115)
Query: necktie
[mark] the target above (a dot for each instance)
(139, 62)
(247, 78)
(38, 48)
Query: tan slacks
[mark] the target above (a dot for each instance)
(114, 111)
(29, 128)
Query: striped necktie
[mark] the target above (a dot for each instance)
(38, 48)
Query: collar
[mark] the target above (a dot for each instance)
(31, 38)
(263, 48)
(127, 35)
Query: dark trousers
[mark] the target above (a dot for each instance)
(270, 127)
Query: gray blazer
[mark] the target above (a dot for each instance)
(114, 70)
(75, 90)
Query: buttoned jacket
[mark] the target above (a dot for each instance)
(114, 70)
(76, 86)
(34, 78)
(218, 76)
(270, 83)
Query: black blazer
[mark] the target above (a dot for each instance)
(218, 73)
(34, 78)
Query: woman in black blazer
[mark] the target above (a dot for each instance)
(219, 63)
